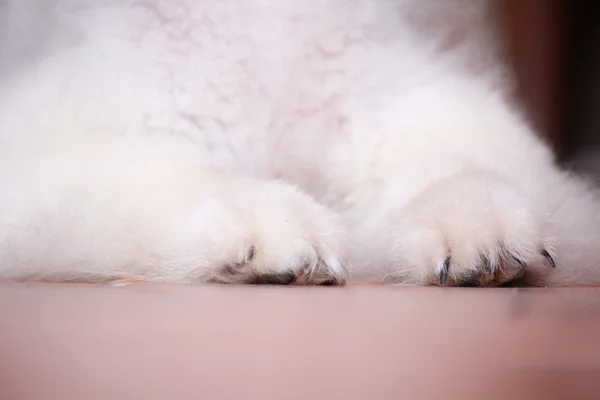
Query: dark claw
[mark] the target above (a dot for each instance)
(250, 254)
(549, 258)
(519, 261)
(444, 273)
(487, 266)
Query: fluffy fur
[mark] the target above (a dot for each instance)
(268, 141)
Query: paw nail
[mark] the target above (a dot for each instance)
(443, 277)
(519, 261)
(487, 266)
(250, 254)
(549, 258)
(444, 273)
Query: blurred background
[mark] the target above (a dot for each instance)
(553, 46)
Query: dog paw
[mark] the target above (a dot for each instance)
(472, 229)
(262, 232)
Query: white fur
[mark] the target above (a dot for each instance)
(164, 140)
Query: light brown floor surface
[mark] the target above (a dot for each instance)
(248, 342)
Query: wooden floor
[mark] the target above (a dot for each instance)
(150, 341)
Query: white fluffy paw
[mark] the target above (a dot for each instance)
(260, 232)
(472, 229)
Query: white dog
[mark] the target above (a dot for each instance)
(270, 141)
